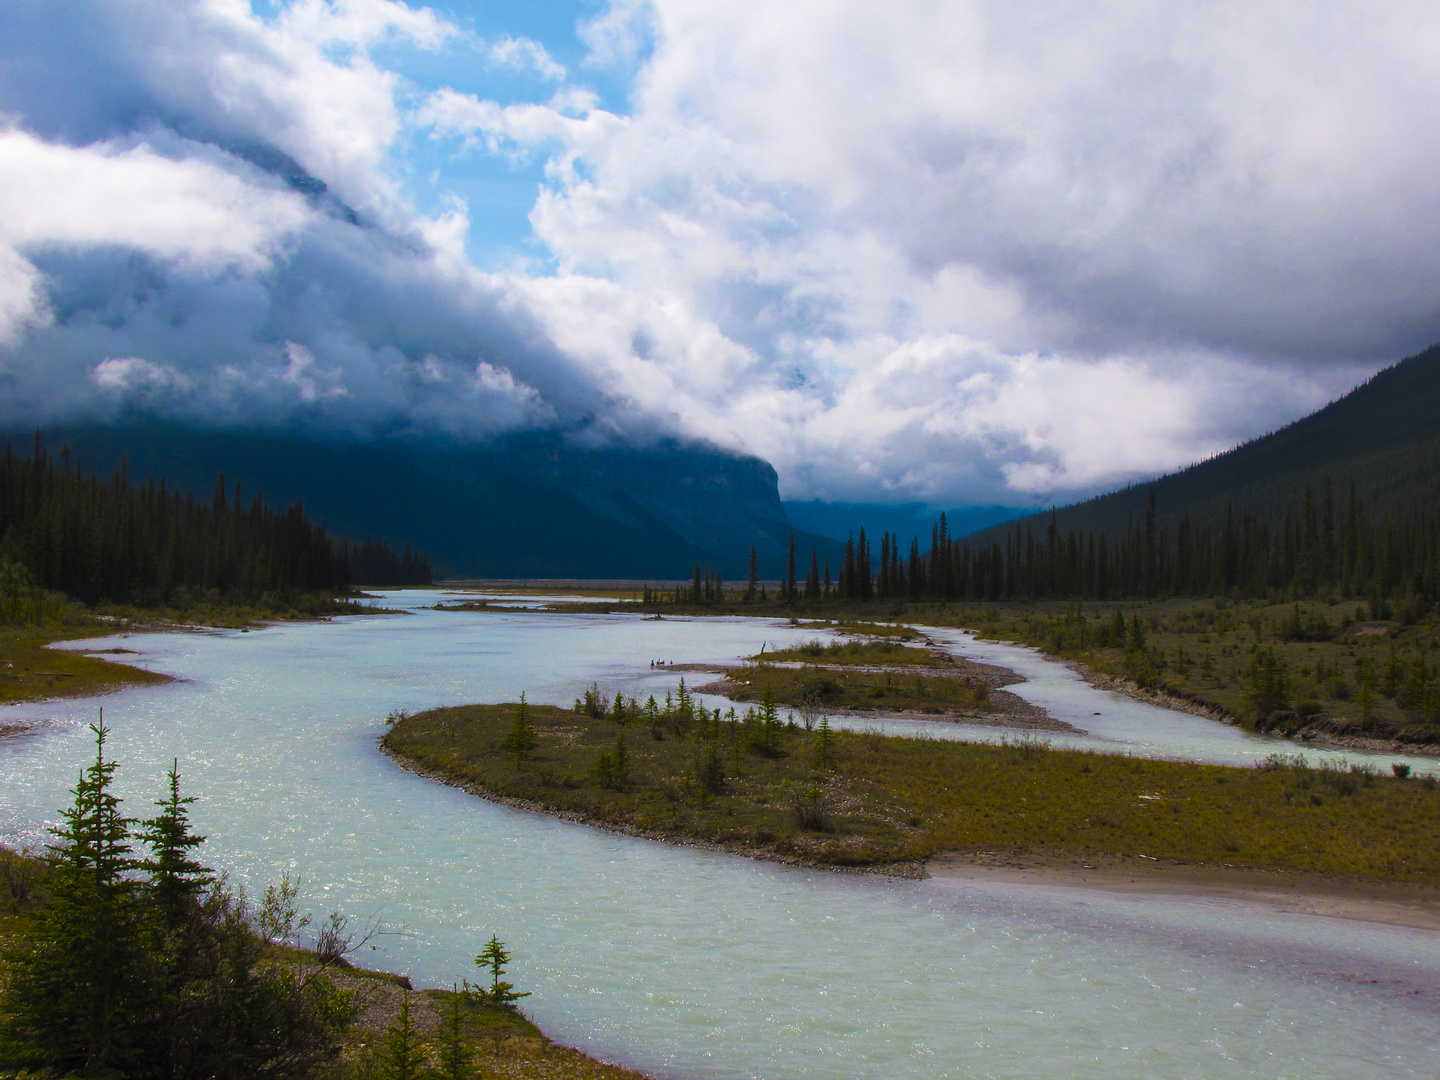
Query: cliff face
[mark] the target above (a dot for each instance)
(524, 506)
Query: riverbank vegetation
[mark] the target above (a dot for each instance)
(1310, 671)
(882, 646)
(934, 687)
(30, 672)
(1331, 671)
(86, 557)
(34, 619)
(756, 784)
(121, 964)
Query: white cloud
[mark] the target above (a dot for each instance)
(132, 372)
(188, 212)
(311, 382)
(186, 209)
(1142, 218)
(526, 55)
(960, 249)
(619, 33)
(363, 23)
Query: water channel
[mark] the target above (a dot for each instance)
(687, 963)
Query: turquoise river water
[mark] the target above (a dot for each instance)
(693, 964)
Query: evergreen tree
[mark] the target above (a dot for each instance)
(864, 587)
(824, 743)
(1135, 641)
(712, 771)
(521, 738)
(79, 992)
(754, 581)
(767, 740)
(402, 1055)
(457, 1062)
(1269, 681)
(494, 956)
(791, 592)
(159, 979)
(176, 880)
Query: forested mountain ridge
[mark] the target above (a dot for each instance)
(106, 539)
(1383, 437)
(523, 506)
(1343, 503)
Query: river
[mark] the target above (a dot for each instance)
(688, 963)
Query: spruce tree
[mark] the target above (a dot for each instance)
(495, 956)
(622, 761)
(862, 568)
(791, 589)
(78, 993)
(176, 879)
(824, 743)
(402, 1055)
(456, 1059)
(712, 771)
(769, 742)
(521, 737)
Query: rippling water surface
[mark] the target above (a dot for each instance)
(693, 964)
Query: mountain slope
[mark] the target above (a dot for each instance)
(1383, 437)
(524, 506)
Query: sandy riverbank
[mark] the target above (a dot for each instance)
(1296, 892)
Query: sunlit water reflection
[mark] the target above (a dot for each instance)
(690, 963)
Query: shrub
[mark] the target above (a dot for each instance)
(811, 807)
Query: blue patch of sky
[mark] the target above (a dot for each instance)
(499, 189)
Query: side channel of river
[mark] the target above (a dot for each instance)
(693, 964)
(1114, 723)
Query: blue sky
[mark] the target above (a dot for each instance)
(500, 189)
(950, 252)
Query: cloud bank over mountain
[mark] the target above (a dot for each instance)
(955, 251)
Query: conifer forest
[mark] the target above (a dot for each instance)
(109, 539)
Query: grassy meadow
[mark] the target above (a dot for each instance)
(960, 690)
(31, 672)
(872, 800)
